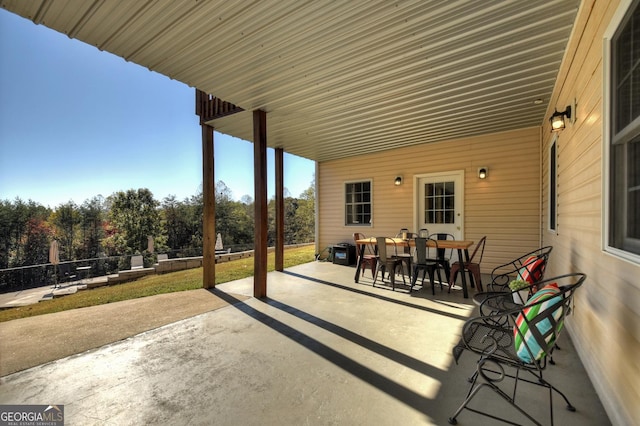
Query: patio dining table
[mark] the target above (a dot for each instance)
(462, 246)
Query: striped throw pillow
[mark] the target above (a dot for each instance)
(522, 335)
(532, 270)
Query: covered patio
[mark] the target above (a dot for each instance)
(374, 92)
(319, 350)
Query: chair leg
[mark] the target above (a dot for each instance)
(440, 278)
(491, 381)
(413, 279)
(392, 277)
(475, 388)
(452, 278)
(409, 267)
(478, 278)
(379, 267)
(433, 280)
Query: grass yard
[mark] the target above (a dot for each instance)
(150, 285)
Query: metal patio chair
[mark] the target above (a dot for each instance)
(423, 263)
(473, 265)
(369, 259)
(387, 263)
(528, 267)
(515, 345)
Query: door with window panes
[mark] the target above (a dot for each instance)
(439, 203)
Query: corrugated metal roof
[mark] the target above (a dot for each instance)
(338, 78)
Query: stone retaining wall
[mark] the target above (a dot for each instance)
(171, 265)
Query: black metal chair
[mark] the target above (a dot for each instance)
(523, 339)
(443, 256)
(387, 263)
(423, 263)
(369, 258)
(473, 265)
(529, 267)
(404, 254)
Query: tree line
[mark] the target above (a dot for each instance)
(114, 228)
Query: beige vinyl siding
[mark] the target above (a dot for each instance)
(505, 206)
(604, 325)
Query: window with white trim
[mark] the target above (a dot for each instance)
(553, 185)
(624, 120)
(357, 203)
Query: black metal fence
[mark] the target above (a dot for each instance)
(32, 276)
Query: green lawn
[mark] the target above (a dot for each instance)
(156, 284)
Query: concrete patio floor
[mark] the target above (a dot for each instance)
(320, 350)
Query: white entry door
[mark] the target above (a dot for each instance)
(439, 203)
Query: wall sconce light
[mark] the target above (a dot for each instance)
(483, 172)
(398, 181)
(557, 119)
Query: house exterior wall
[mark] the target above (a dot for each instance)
(505, 207)
(605, 325)
(511, 207)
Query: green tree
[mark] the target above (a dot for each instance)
(183, 224)
(6, 231)
(135, 216)
(36, 242)
(306, 215)
(65, 220)
(299, 218)
(233, 221)
(92, 218)
(16, 220)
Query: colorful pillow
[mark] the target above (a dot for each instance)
(532, 270)
(522, 335)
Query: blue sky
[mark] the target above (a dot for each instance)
(76, 122)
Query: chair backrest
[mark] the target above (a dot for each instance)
(479, 247)
(443, 254)
(421, 248)
(537, 324)
(360, 236)
(381, 245)
(533, 265)
(530, 267)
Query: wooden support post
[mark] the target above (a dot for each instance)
(260, 202)
(279, 209)
(209, 214)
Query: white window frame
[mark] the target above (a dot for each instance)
(344, 203)
(553, 184)
(607, 96)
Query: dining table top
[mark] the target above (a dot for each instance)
(446, 244)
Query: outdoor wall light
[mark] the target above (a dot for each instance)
(557, 119)
(398, 181)
(483, 172)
